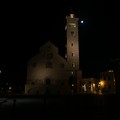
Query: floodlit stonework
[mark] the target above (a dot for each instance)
(47, 72)
(50, 73)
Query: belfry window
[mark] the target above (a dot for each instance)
(72, 33)
(72, 72)
(73, 54)
(32, 83)
(66, 55)
(73, 65)
(71, 44)
(72, 25)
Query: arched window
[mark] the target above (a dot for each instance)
(48, 81)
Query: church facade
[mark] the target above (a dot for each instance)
(50, 73)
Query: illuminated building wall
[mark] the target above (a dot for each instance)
(72, 50)
(72, 42)
(47, 72)
(89, 86)
(116, 68)
(107, 82)
(50, 73)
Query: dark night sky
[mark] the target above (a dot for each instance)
(27, 26)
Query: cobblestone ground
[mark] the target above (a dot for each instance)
(60, 107)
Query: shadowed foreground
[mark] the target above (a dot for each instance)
(94, 107)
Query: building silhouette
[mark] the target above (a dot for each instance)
(116, 68)
(50, 73)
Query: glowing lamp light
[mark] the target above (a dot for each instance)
(10, 88)
(110, 71)
(72, 85)
(93, 84)
(102, 83)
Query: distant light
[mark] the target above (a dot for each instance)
(72, 72)
(93, 84)
(65, 55)
(72, 85)
(66, 27)
(81, 21)
(110, 71)
(91, 88)
(114, 81)
(0, 71)
(102, 83)
(84, 87)
(10, 88)
(71, 15)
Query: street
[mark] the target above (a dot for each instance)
(59, 107)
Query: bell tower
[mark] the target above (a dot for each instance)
(72, 52)
(72, 42)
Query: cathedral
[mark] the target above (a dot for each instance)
(50, 73)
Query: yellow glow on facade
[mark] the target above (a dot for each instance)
(102, 83)
(93, 84)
